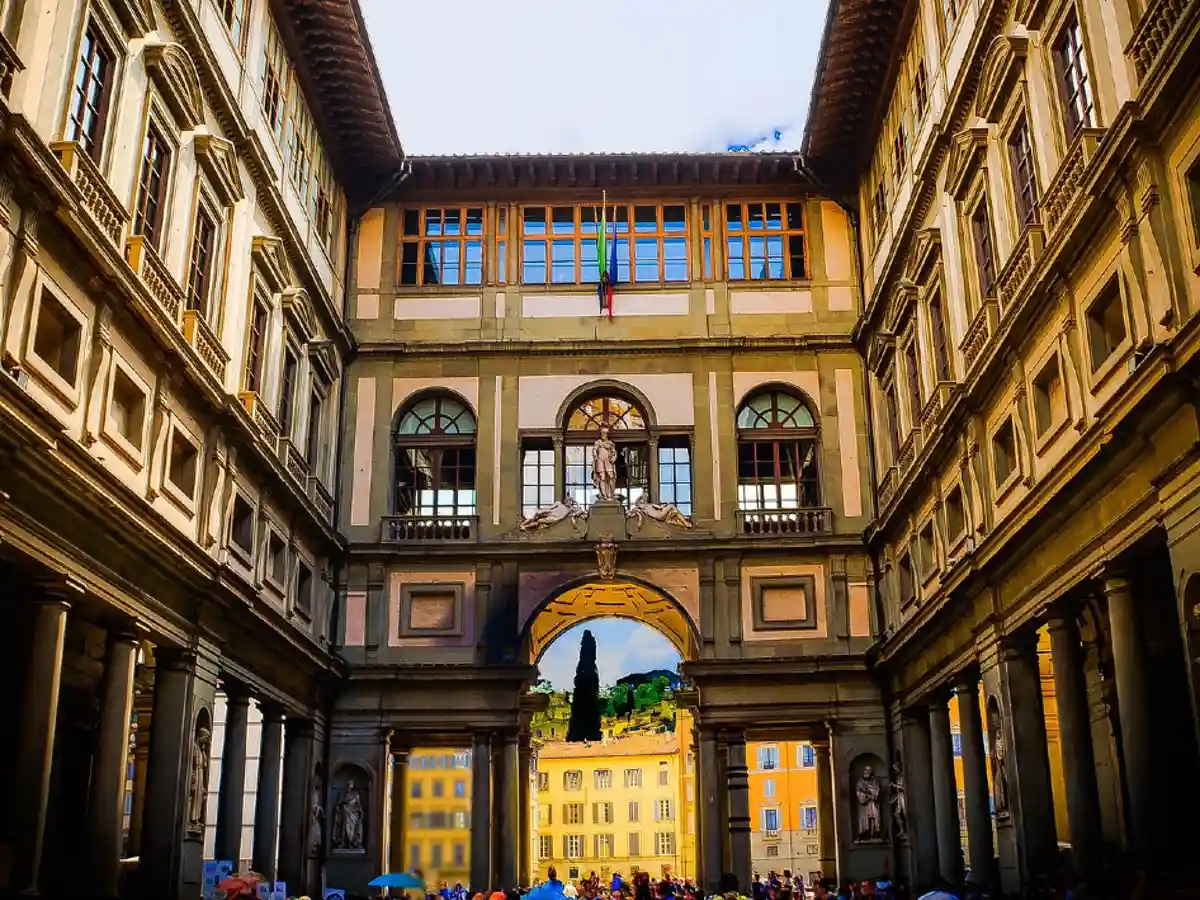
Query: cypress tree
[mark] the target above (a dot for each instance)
(585, 700)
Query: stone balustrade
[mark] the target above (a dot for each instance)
(201, 336)
(100, 201)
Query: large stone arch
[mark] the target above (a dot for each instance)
(588, 597)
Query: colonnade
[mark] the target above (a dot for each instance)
(1008, 739)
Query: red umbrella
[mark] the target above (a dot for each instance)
(240, 885)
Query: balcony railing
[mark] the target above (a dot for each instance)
(320, 495)
(808, 520)
(1020, 264)
(263, 418)
(1068, 183)
(887, 485)
(200, 335)
(10, 63)
(413, 529)
(981, 328)
(101, 202)
(153, 273)
(908, 450)
(293, 460)
(1154, 30)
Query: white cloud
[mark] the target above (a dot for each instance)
(622, 647)
(508, 76)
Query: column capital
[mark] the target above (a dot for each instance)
(939, 697)
(1019, 645)
(1113, 578)
(236, 693)
(966, 682)
(1064, 616)
(400, 756)
(271, 712)
(734, 735)
(59, 590)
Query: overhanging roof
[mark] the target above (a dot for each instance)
(327, 41)
(623, 171)
(858, 59)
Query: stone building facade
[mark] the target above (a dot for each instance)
(731, 388)
(176, 179)
(1028, 198)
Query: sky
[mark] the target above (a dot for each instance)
(568, 76)
(622, 647)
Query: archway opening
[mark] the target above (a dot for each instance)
(625, 801)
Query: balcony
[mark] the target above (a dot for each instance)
(887, 486)
(200, 335)
(148, 266)
(982, 326)
(1154, 32)
(100, 201)
(1068, 183)
(419, 529)
(262, 416)
(293, 460)
(10, 63)
(320, 495)
(808, 520)
(1019, 265)
(908, 450)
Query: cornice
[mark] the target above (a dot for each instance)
(1003, 70)
(587, 347)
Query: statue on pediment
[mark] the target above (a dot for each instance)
(567, 510)
(666, 513)
(604, 466)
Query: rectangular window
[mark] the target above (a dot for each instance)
(603, 779)
(572, 813)
(233, 13)
(1004, 453)
(442, 246)
(768, 757)
(1105, 322)
(1193, 198)
(277, 76)
(414, 856)
(127, 411)
(256, 351)
(908, 585)
(501, 245)
(460, 788)
(634, 810)
(937, 330)
(706, 240)
(184, 464)
(304, 589)
(770, 819)
(58, 338)
(1074, 82)
(1024, 175)
(956, 744)
(912, 371)
(287, 390)
(241, 525)
(543, 781)
(956, 513)
(664, 811)
(633, 778)
(807, 756)
(415, 789)
(573, 846)
(439, 788)
(200, 270)
(559, 244)
(1049, 401)
(808, 817)
(664, 843)
(768, 787)
(537, 476)
(985, 254)
(635, 844)
(893, 420)
(925, 550)
(664, 775)
(277, 556)
(675, 472)
(91, 92)
(150, 206)
(765, 241)
(602, 814)
(772, 849)
(316, 415)
(545, 846)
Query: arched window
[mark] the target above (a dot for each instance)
(627, 425)
(777, 453)
(435, 458)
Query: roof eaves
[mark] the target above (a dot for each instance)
(814, 98)
(360, 20)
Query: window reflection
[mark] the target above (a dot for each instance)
(764, 241)
(435, 459)
(777, 453)
(442, 246)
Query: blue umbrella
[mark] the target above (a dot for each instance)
(398, 880)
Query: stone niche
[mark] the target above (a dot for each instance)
(869, 773)
(351, 867)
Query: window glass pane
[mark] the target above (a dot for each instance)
(563, 262)
(622, 259)
(646, 268)
(737, 266)
(775, 256)
(534, 220)
(758, 257)
(534, 264)
(675, 259)
(708, 258)
(774, 217)
(645, 219)
(433, 264)
(796, 265)
(756, 218)
(451, 274)
(475, 221)
(408, 264)
(452, 222)
(474, 263)
(673, 219)
(620, 219)
(733, 217)
(795, 217)
(589, 267)
(433, 222)
(412, 222)
(563, 219)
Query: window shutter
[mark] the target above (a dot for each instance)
(657, 811)
(595, 813)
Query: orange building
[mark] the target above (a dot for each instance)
(783, 807)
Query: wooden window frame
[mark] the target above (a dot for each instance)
(891, 411)
(151, 202)
(423, 242)
(791, 441)
(203, 273)
(232, 14)
(939, 333)
(912, 381)
(257, 342)
(540, 485)
(440, 446)
(1073, 72)
(286, 413)
(744, 235)
(94, 43)
(983, 241)
(498, 272)
(707, 241)
(1023, 171)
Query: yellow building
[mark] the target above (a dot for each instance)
(783, 807)
(610, 807)
(439, 814)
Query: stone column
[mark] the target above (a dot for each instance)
(1133, 707)
(711, 826)
(398, 821)
(231, 799)
(945, 792)
(35, 742)
(506, 818)
(524, 830)
(826, 809)
(918, 790)
(299, 757)
(1078, 758)
(738, 779)
(481, 812)
(1029, 760)
(106, 803)
(160, 872)
(981, 855)
(143, 711)
(723, 803)
(266, 802)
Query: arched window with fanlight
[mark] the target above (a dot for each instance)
(778, 448)
(435, 464)
(627, 428)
